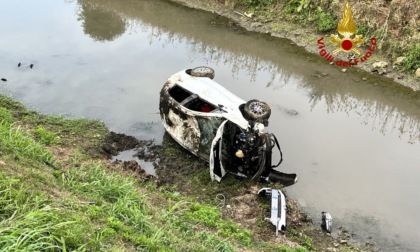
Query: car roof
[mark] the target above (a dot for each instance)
(214, 93)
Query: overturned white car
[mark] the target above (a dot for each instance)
(216, 125)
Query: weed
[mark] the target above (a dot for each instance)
(123, 209)
(363, 29)
(325, 22)
(298, 6)
(309, 11)
(206, 215)
(306, 241)
(44, 136)
(6, 117)
(302, 249)
(215, 242)
(31, 232)
(9, 104)
(253, 3)
(19, 143)
(412, 59)
(211, 217)
(27, 221)
(94, 181)
(85, 133)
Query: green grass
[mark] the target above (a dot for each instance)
(45, 136)
(211, 217)
(52, 129)
(27, 222)
(83, 204)
(107, 210)
(6, 117)
(18, 142)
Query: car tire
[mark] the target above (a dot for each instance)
(257, 110)
(202, 71)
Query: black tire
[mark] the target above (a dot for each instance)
(257, 110)
(261, 167)
(202, 71)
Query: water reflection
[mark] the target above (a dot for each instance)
(100, 24)
(380, 116)
(383, 107)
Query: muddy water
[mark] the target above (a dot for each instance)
(352, 138)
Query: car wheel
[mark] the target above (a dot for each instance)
(256, 109)
(202, 71)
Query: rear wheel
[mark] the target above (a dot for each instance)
(256, 109)
(202, 71)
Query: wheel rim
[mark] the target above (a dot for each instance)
(258, 108)
(202, 70)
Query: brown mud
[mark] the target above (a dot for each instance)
(115, 143)
(183, 173)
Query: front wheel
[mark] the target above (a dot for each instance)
(256, 109)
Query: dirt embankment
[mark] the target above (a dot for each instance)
(394, 23)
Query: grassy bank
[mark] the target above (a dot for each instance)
(58, 192)
(393, 23)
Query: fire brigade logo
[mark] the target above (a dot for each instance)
(346, 28)
(346, 41)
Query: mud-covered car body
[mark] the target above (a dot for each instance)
(216, 125)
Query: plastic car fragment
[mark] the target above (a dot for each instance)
(215, 162)
(278, 208)
(326, 222)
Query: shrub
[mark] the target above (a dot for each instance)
(412, 60)
(363, 29)
(325, 22)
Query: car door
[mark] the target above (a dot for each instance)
(217, 170)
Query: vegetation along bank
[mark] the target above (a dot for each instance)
(60, 191)
(395, 24)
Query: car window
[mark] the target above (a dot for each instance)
(191, 101)
(179, 94)
(199, 105)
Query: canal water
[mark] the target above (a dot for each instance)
(353, 138)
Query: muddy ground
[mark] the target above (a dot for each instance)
(183, 173)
